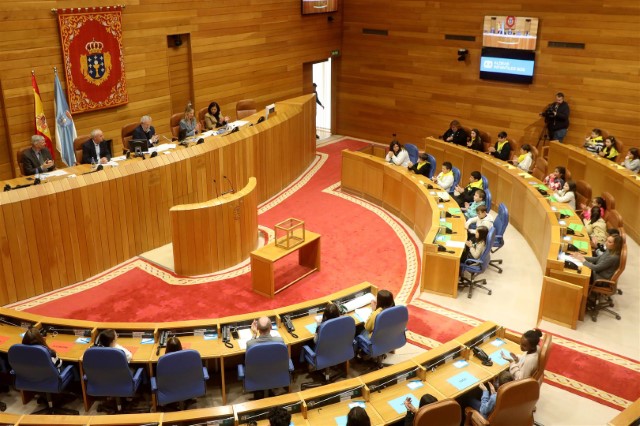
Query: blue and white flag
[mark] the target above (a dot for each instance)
(65, 128)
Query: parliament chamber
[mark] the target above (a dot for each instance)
(395, 71)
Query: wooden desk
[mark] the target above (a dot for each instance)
(406, 195)
(628, 416)
(224, 415)
(380, 398)
(494, 340)
(263, 259)
(258, 410)
(130, 204)
(603, 175)
(217, 234)
(58, 420)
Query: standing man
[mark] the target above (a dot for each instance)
(315, 92)
(96, 149)
(145, 131)
(37, 159)
(556, 117)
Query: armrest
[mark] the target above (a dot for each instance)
(138, 375)
(306, 350)
(205, 373)
(68, 370)
(291, 368)
(472, 417)
(154, 385)
(472, 262)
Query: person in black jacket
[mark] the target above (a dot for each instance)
(502, 149)
(422, 167)
(556, 117)
(96, 149)
(37, 159)
(455, 134)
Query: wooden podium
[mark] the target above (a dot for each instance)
(217, 234)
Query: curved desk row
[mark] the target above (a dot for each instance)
(603, 175)
(407, 195)
(64, 231)
(445, 372)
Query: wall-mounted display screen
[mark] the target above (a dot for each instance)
(510, 32)
(510, 65)
(310, 7)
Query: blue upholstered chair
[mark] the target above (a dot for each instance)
(388, 332)
(35, 372)
(179, 376)
(432, 161)
(477, 267)
(485, 182)
(413, 152)
(488, 199)
(500, 225)
(334, 345)
(266, 366)
(456, 179)
(107, 373)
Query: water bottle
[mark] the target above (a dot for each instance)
(93, 163)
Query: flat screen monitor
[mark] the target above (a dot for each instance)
(311, 7)
(510, 32)
(511, 65)
(138, 145)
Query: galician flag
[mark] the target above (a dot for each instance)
(65, 127)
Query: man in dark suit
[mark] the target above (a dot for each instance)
(37, 159)
(145, 131)
(96, 149)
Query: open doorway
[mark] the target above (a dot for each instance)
(322, 78)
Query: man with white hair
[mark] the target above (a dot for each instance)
(37, 159)
(96, 150)
(145, 131)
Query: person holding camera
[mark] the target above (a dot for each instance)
(556, 117)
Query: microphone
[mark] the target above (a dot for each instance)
(154, 154)
(232, 190)
(215, 186)
(100, 167)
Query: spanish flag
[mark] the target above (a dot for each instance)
(41, 126)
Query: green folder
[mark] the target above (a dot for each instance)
(552, 199)
(447, 224)
(582, 245)
(454, 210)
(576, 227)
(566, 212)
(443, 238)
(544, 188)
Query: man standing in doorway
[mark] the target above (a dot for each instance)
(315, 92)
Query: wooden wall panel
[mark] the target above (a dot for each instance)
(239, 49)
(411, 83)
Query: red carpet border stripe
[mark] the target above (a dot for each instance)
(422, 341)
(411, 276)
(586, 391)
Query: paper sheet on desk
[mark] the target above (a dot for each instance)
(163, 147)
(359, 302)
(566, 258)
(398, 403)
(463, 380)
(244, 335)
(582, 245)
(363, 313)
(54, 173)
(497, 358)
(455, 244)
(119, 158)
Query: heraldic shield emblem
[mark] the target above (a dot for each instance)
(96, 65)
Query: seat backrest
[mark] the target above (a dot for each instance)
(623, 264)
(174, 124)
(389, 330)
(245, 108)
(126, 133)
(266, 366)
(34, 369)
(456, 179)
(486, 140)
(543, 357)
(501, 223)
(442, 413)
(413, 152)
(20, 158)
(614, 218)
(107, 372)
(77, 146)
(515, 403)
(179, 376)
(583, 192)
(540, 169)
(485, 257)
(201, 114)
(485, 182)
(488, 199)
(567, 175)
(534, 154)
(433, 162)
(335, 342)
(610, 199)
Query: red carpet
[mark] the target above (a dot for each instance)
(138, 295)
